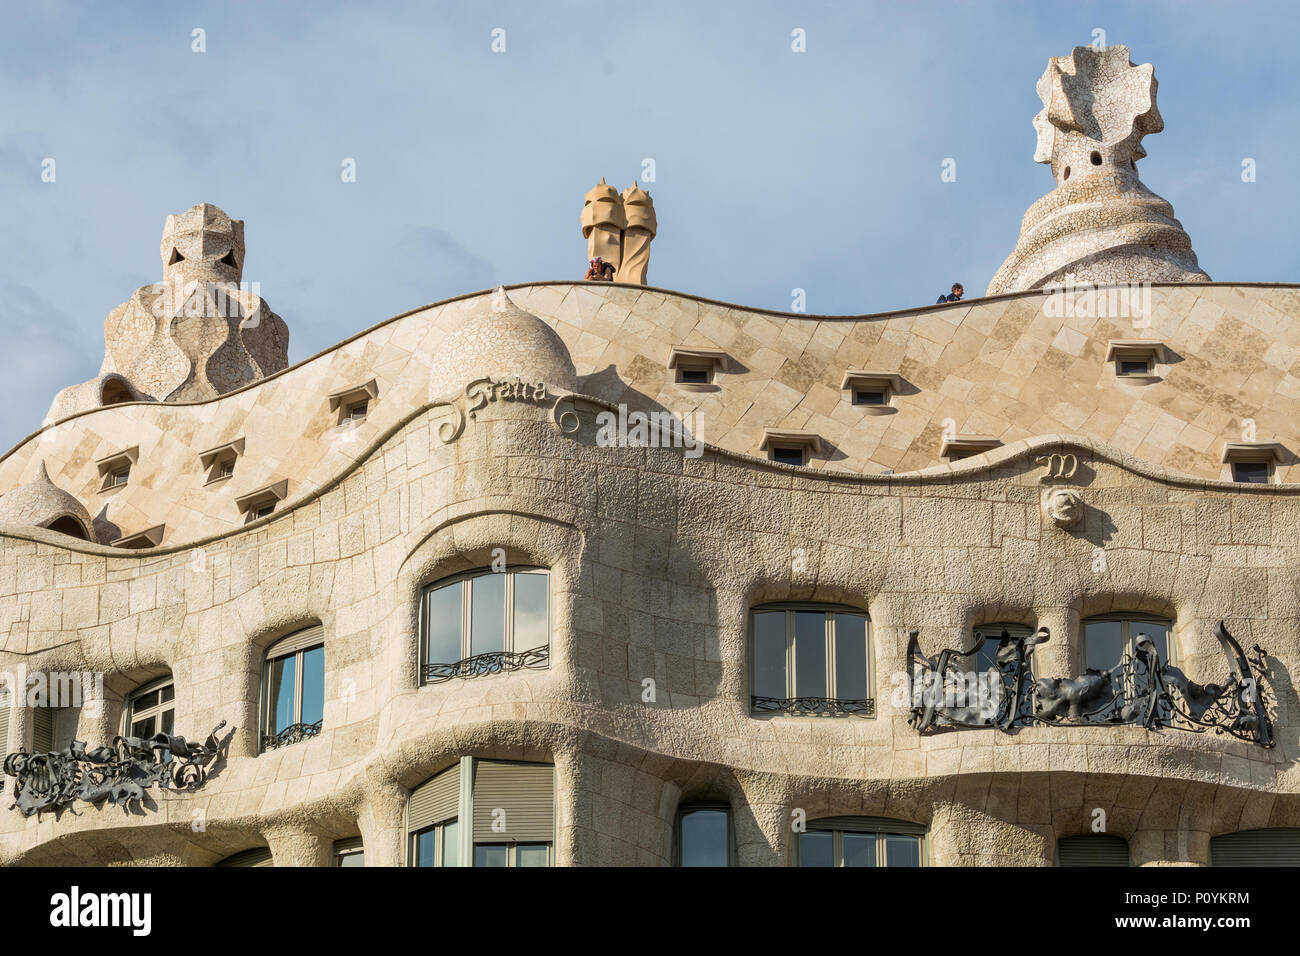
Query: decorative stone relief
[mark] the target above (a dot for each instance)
(1063, 507)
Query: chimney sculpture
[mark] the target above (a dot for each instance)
(619, 229)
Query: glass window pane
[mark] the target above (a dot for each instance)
(1103, 645)
(810, 653)
(816, 848)
(531, 625)
(442, 623)
(313, 685)
(1158, 633)
(352, 859)
(704, 838)
(902, 850)
(490, 854)
(859, 849)
(769, 654)
(487, 620)
(143, 728)
(851, 657)
(450, 843)
(532, 854)
(167, 693)
(282, 680)
(424, 848)
(146, 701)
(168, 723)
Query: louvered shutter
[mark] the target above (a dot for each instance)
(300, 641)
(867, 825)
(525, 791)
(435, 800)
(1096, 849)
(1269, 847)
(4, 725)
(42, 730)
(258, 856)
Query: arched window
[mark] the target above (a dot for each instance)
(152, 709)
(485, 622)
(1092, 849)
(703, 835)
(67, 524)
(258, 856)
(811, 659)
(509, 807)
(1273, 846)
(861, 841)
(293, 688)
(1108, 639)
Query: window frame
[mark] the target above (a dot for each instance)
(512, 854)
(704, 806)
(266, 729)
(439, 831)
(349, 846)
(130, 714)
(791, 677)
(881, 835)
(464, 580)
(1126, 619)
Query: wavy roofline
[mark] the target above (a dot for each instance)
(802, 316)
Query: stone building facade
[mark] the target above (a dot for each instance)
(598, 573)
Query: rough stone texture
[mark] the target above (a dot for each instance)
(40, 503)
(1003, 367)
(1100, 225)
(655, 561)
(193, 336)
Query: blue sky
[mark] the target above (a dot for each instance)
(774, 169)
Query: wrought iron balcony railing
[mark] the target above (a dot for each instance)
(813, 706)
(291, 735)
(494, 662)
(1140, 690)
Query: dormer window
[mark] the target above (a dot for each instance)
(697, 368)
(262, 502)
(1252, 463)
(115, 470)
(873, 392)
(966, 446)
(791, 448)
(149, 538)
(353, 404)
(219, 462)
(1136, 360)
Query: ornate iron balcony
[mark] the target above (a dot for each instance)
(1140, 690)
(495, 662)
(291, 735)
(120, 773)
(813, 706)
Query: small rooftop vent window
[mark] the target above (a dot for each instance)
(115, 470)
(149, 538)
(697, 368)
(1136, 359)
(353, 404)
(262, 502)
(966, 446)
(873, 392)
(219, 462)
(791, 448)
(1252, 463)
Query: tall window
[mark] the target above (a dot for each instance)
(293, 681)
(1108, 639)
(152, 709)
(704, 835)
(861, 841)
(1092, 849)
(509, 806)
(811, 659)
(486, 622)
